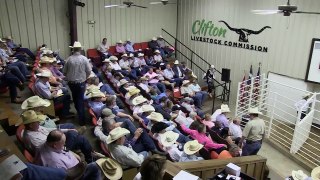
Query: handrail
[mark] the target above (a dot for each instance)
(189, 49)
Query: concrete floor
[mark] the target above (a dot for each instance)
(280, 166)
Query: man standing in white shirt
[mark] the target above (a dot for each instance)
(303, 105)
(103, 48)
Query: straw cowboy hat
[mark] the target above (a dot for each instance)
(315, 173)
(138, 100)
(168, 138)
(224, 108)
(131, 55)
(46, 59)
(140, 55)
(31, 116)
(106, 60)
(113, 58)
(212, 66)
(124, 55)
(110, 168)
(184, 82)
(96, 94)
(119, 42)
(132, 91)
(298, 175)
(254, 110)
(91, 89)
(76, 44)
(123, 82)
(116, 133)
(154, 39)
(44, 74)
(160, 37)
(157, 51)
(192, 147)
(33, 102)
(154, 116)
(146, 108)
(176, 62)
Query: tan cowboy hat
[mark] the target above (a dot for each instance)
(116, 133)
(192, 147)
(33, 102)
(106, 60)
(131, 55)
(224, 108)
(31, 116)
(154, 116)
(46, 59)
(44, 74)
(176, 62)
(8, 37)
(110, 168)
(123, 82)
(119, 42)
(315, 173)
(254, 110)
(124, 55)
(154, 39)
(168, 138)
(96, 94)
(91, 89)
(146, 108)
(144, 79)
(76, 44)
(160, 37)
(113, 58)
(299, 175)
(138, 100)
(132, 91)
(140, 55)
(184, 82)
(157, 51)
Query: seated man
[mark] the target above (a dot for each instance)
(35, 135)
(154, 81)
(59, 96)
(170, 76)
(187, 90)
(153, 44)
(222, 118)
(120, 48)
(129, 46)
(103, 48)
(139, 64)
(52, 154)
(18, 48)
(235, 131)
(194, 86)
(96, 102)
(45, 65)
(191, 151)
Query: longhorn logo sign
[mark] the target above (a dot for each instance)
(243, 32)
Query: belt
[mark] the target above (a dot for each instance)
(74, 82)
(251, 142)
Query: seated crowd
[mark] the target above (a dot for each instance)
(136, 113)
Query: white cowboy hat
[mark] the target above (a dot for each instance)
(33, 102)
(176, 62)
(96, 94)
(42, 48)
(160, 37)
(106, 60)
(132, 91)
(212, 66)
(46, 59)
(138, 100)
(47, 51)
(168, 138)
(44, 74)
(298, 175)
(8, 37)
(76, 44)
(315, 173)
(119, 42)
(123, 82)
(157, 51)
(131, 55)
(128, 40)
(91, 88)
(113, 58)
(254, 110)
(185, 82)
(31, 116)
(140, 55)
(146, 108)
(224, 108)
(124, 55)
(110, 168)
(154, 39)
(192, 147)
(116, 133)
(154, 116)
(2, 40)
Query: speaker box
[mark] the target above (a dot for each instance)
(225, 75)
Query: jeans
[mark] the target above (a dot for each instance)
(178, 81)
(77, 91)
(144, 143)
(251, 149)
(160, 86)
(66, 126)
(183, 139)
(21, 57)
(65, 100)
(35, 172)
(92, 172)
(199, 98)
(75, 141)
(127, 123)
(12, 81)
(105, 88)
(16, 71)
(27, 51)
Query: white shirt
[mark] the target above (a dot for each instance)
(174, 152)
(126, 156)
(103, 48)
(115, 66)
(235, 131)
(144, 87)
(157, 58)
(194, 87)
(168, 73)
(300, 104)
(186, 90)
(124, 64)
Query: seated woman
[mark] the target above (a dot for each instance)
(198, 132)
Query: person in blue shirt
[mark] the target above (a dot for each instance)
(18, 48)
(129, 46)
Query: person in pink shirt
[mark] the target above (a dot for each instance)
(198, 133)
(154, 81)
(208, 121)
(120, 48)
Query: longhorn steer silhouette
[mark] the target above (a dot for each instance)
(244, 33)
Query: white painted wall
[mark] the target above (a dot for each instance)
(133, 23)
(288, 41)
(35, 22)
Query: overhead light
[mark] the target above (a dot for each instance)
(108, 6)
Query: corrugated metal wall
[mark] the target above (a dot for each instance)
(133, 23)
(288, 41)
(35, 22)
